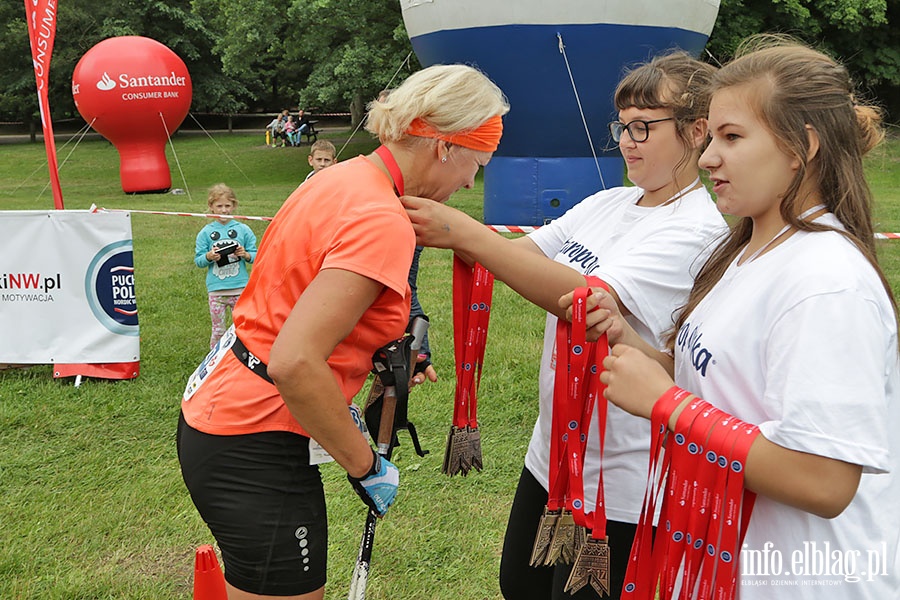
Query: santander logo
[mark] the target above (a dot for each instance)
(147, 81)
(105, 84)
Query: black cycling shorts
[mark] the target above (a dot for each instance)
(264, 504)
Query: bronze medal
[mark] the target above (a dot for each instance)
(475, 448)
(457, 457)
(568, 537)
(543, 537)
(591, 567)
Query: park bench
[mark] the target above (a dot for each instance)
(311, 133)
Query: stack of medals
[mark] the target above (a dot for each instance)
(472, 291)
(562, 534)
(699, 471)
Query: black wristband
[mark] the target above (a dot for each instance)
(376, 466)
(421, 366)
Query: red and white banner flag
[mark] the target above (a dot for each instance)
(41, 18)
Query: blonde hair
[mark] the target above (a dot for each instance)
(220, 190)
(791, 86)
(323, 146)
(449, 98)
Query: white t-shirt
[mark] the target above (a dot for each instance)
(802, 341)
(649, 256)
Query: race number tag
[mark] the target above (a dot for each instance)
(203, 371)
(318, 454)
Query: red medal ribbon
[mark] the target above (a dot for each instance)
(393, 168)
(738, 506)
(596, 521)
(679, 486)
(576, 392)
(722, 437)
(472, 290)
(706, 509)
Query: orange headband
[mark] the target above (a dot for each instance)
(484, 138)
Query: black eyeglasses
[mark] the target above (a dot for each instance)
(638, 130)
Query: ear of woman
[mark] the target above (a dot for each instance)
(698, 132)
(813, 136)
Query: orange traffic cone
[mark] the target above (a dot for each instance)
(209, 583)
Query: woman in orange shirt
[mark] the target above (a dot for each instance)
(328, 288)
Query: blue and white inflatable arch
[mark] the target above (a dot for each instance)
(545, 164)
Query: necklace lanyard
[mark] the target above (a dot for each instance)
(393, 168)
(783, 230)
(596, 520)
(568, 426)
(684, 191)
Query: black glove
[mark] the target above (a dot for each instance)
(378, 487)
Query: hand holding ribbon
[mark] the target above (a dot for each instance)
(603, 316)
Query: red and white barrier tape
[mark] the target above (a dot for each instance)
(497, 228)
(513, 228)
(178, 214)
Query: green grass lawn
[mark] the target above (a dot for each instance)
(91, 499)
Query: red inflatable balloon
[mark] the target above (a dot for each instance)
(135, 92)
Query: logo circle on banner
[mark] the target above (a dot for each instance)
(109, 288)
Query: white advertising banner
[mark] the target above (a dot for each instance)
(67, 288)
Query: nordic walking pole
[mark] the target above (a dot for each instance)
(385, 435)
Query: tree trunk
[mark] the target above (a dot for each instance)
(357, 110)
(32, 130)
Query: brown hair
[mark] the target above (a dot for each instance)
(795, 86)
(675, 81)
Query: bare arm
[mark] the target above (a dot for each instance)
(816, 484)
(605, 315)
(518, 263)
(323, 316)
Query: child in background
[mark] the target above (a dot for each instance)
(223, 247)
(321, 154)
(272, 130)
(290, 131)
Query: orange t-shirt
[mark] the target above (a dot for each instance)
(346, 217)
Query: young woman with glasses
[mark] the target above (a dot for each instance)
(645, 242)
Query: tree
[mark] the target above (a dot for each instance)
(18, 96)
(316, 54)
(82, 24)
(352, 47)
(250, 38)
(338, 54)
(862, 34)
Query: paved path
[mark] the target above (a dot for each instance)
(62, 138)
